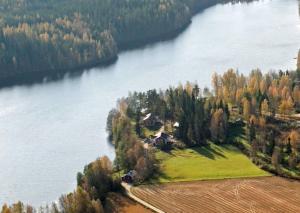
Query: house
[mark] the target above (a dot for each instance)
(239, 121)
(161, 138)
(151, 120)
(176, 129)
(176, 125)
(129, 177)
(144, 110)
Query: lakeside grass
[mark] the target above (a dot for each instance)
(205, 163)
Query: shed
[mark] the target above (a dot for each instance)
(129, 177)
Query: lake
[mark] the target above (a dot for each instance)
(49, 131)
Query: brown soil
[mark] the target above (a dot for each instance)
(117, 203)
(267, 194)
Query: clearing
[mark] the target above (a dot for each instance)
(203, 163)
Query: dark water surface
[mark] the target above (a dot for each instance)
(49, 131)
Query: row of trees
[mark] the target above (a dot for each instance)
(259, 94)
(78, 201)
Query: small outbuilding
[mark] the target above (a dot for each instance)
(129, 177)
(176, 125)
(161, 138)
(144, 110)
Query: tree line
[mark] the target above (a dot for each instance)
(39, 37)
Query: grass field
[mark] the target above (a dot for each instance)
(203, 163)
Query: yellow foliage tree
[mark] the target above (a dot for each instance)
(246, 108)
(294, 139)
(286, 106)
(265, 107)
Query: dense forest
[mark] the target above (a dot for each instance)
(40, 37)
(269, 107)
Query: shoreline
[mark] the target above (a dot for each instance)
(37, 76)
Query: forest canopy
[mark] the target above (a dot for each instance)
(46, 37)
(57, 35)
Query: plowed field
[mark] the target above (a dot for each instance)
(265, 194)
(117, 203)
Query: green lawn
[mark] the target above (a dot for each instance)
(210, 162)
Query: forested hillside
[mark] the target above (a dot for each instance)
(40, 37)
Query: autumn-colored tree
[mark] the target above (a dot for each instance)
(254, 105)
(18, 207)
(229, 83)
(285, 93)
(145, 166)
(262, 123)
(80, 201)
(276, 157)
(252, 128)
(254, 81)
(97, 178)
(122, 107)
(284, 82)
(286, 107)
(6, 209)
(253, 120)
(296, 94)
(189, 88)
(246, 109)
(265, 107)
(293, 160)
(216, 84)
(218, 125)
(294, 138)
(263, 86)
(239, 95)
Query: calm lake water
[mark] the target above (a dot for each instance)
(49, 131)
